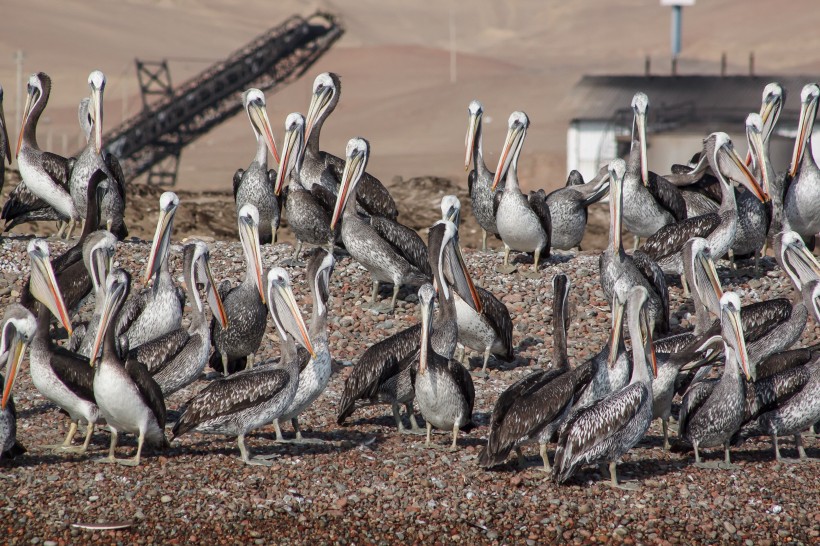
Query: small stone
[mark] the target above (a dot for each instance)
(729, 527)
(49, 543)
(93, 498)
(165, 499)
(492, 535)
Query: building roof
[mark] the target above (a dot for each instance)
(678, 101)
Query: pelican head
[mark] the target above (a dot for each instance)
(357, 154)
(727, 164)
(451, 209)
(448, 264)
(117, 286)
(43, 283)
(168, 204)
(292, 149)
(808, 111)
(197, 270)
(38, 87)
(757, 150)
(18, 329)
(285, 312)
(96, 81)
(795, 258)
(517, 127)
(732, 329)
(640, 107)
(771, 105)
(427, 296)
(326, 90)
(98, 255)
(475, 110)
(254, 102)
(319, 268)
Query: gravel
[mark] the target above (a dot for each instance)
(369, 485)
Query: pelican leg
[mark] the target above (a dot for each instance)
(534, 274)
(249, 361)
(506, 268)
(542, 449)
(135, 460)
(108, 224)
(224, 365)
(697, 454)
(273, 229)
(279, 437)
(111, 448)
(521, 461)
(414, 425)
(397, 417)
(727, 459)
(395, 296)
(613, 477)
(71, 225)
(429, 432)
(373, 294)
(454, 446)
(258, 461)
(69, 439)
(665, 425)
(298, 250)
(635, 244)
(732, 263)
(776, 448)
(685, 286)
(89, 431)
(801, 451)
(483, 239)
(61, 229)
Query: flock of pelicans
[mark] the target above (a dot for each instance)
(735, 371)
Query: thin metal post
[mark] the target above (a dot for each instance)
(677, 12)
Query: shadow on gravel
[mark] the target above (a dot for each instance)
(36, 409)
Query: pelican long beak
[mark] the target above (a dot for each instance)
(294, 316)
(744, 175)
(462, 277)
(807, 113)
(618, 308)
(259, 118)
(469, 142)
(426, 323)
(97, 112)
(737, 341)
(161, 242)
(45, 289)
(615, 204)
(26, 113)
(288, 159)
(5, 134)
(514, 136)
(214, 300)
(317, 103)
(249, 234)
(758, 153)
(113, 294)
(804, 267)
(708, 266)
(640, 121)
(16, 352)
(648, 343)
(354, 167)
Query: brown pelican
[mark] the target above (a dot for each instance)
(176, 359)
(771, 105)
(444, 388)
(719, 228)
(650, 201)
(128, 397)
(255, 185)
(315, 374)
(480, 179)
(710, 415)
(244, 304)
(5, 147)
(309, 209)
(249, 399)
(604, 431)
(389, 251)
(18, 329)
(488, 327)
(326, 169)
(795, 259)
(568, 210)
(617, 267)
(801, 203)
(532, 408)
(45, 174)
(523, 222)
(157, 310)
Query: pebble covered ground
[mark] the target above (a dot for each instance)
(369, 485)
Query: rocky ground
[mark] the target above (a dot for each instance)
(368, 484)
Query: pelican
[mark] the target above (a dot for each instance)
(568, 211)
(128, 397)
(480, 179)
(249, 399)
(487, 329)
(5, 147)
(176, 359)
(255, 185)
(327, 169)
(18, 329)
(604, 431)
(93, 158)
(244, 304)
(650, 202)
(444, 388)
(61, 376)
(157, 310)
(523, 223)
(720, 228)
(315, 374)
(45, 174)
(309, 209)
(801, 203)
(771, 105)
(795, 259)
(709, 418)
(391, 252)
(616, 267)
(532, 408)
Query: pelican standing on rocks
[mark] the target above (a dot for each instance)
(480, 179)
(390, 255)
(315, 374)
(176, 359)
(802, 198)
(249, 399)
(156, 310)
(326, 169)
(650, 201)
(45, 174)
(710, 418)
(244, 304)
(568, 211)
(255, 185)
(523, 223)
(604, 431)
(18, 329)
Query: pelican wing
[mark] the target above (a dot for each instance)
(237, 180)
(157, 353)
(696, 395)
(499, 317)
(372, 195)
(130, 311)
(150, 391)
(785, 360)
(670, 238)
(325, 198)
(652, 272)
(405, 241)
(74, 371)
(538, 203)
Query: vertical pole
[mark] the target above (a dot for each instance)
(676, 30)
(452, 42)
